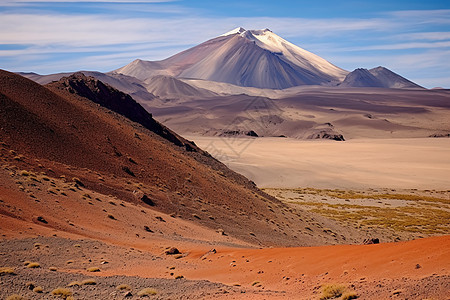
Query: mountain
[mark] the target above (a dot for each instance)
(129, 85)
(168, 87)
(361, 78)
(119, 102)
(252, 58)
(61, 142)
(377, 77)
(390, 79)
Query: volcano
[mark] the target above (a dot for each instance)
(250, 58)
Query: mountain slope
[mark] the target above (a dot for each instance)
(167, 87)
(390, 79)
(129, 85)
(109, 97)
(51, 132)
(377, 77)
(361, 78)
(254, 58)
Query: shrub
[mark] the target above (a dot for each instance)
(147, 292)
(33, 265)
(74, 283)
(62, 292)
(38, 289)
(349, 295)
(6, 270)
(179, 277)
(53, 269)
(16, 297)
(77, 181)
(24, 173)
(124, 287)
(90, 281)
(331, 291)
(255, 283)
(93, 269)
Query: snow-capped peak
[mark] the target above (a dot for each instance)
(238, 30)
(268, 40)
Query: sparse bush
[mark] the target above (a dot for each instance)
(349, 295)
(37, 245)
(77, 245)
(33, 265)
(62, 292)
(24, 173)
(74, 283)
(255, 283)
(6, 270)
(111, 217)
(93, 269)
(16, 297)
(77, 181)
(90, 281)
(331, 291)
(53, 269)
(124, 287)
(147, 292)
(38, 289)
(70, 261)
(179, 277)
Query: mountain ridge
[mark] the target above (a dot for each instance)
(253, 58)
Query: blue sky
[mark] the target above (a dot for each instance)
(410, 37)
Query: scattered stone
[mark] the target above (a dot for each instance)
(418, 266)
(173, 251)
(41, 219)
(370, 241)
(128, 294)
(146, 228)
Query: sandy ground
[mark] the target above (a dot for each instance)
(422, 163)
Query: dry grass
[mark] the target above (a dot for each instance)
(90, 281)
(332, 291)
(38, 289)
(6, 270)
(423, 212)
(255, 283)
(62, 292)
(33, 265)
(349, 295)
(147, 292)
(16, 297)
(74, 283)
(123, 287)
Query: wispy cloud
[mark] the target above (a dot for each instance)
(48, 39)
(90, 1)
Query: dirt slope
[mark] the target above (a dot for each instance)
(62, 134)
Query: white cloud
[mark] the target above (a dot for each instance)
(92, 1)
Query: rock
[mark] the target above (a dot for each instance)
(173, 251)
(325, 134)
(370, 241)
(128, 294)
(41, 219)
